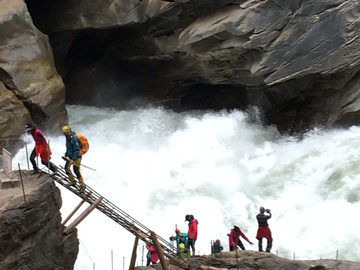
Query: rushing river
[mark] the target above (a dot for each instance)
(158, 166)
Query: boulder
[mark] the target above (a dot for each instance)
(253, 260)
(31, 233)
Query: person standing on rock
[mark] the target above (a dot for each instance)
(234, 238)
(192, 232)
(264, 230)
(72, 157)
(41, 148)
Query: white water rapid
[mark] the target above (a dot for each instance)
(158, 166)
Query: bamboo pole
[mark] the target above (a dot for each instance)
(159, 251)
(236, 248)
(133, 255)
(73, 212)
(83, 215)
(22, 183)
(206, 267)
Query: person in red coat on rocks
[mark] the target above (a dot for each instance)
(192, 232)
(152, 255)
(234, 238)
(264, 230)
(41, 148)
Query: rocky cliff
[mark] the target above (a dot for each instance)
(31, 233)
(253, 260)
(296, 61)
(30, 86)
(250, 260)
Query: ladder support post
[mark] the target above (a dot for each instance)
(133, 255)
(159, 251)
(73, 212)
(83, 215)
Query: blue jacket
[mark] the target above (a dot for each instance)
(185, 238)
(72, 146)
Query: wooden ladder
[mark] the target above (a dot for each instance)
(119, 216)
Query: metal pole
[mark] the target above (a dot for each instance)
(49, 156)
(88, 167)
(124, 263)
(112, 262)
(27, 157)
(142, 256)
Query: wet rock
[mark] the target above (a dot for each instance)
(31, 233)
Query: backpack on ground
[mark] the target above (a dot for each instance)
(84, 144)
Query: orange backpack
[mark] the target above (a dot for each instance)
(84, 147)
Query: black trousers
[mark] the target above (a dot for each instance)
(47, 164)
(240, 244)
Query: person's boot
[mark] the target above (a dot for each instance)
(268, 246)
(82, 187)
(72, 182)
(35, 171)
(260, 245)
(70, 178)
(82, 184)
(52, 168)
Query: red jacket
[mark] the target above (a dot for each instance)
(193, 229)
(232, 239)
(41, 146)
(154, 256)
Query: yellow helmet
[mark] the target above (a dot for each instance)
(181, 246)
(66, 129)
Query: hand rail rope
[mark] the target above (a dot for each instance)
(116, 214)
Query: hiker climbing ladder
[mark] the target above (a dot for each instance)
(112, 211)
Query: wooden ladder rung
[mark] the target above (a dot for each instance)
(142, 234)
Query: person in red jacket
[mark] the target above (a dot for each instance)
(151, 255)
(234, 238)
(41, 148)
(192, 232)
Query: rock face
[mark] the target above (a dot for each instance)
(297, 61)
(30, 87)
(31, 233)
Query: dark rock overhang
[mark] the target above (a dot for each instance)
(294, 60)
